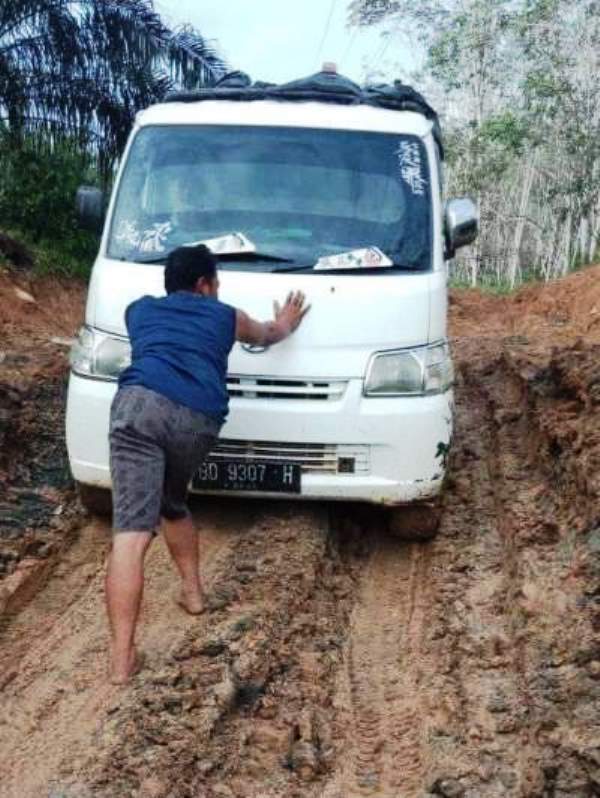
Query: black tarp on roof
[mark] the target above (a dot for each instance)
(326, 87)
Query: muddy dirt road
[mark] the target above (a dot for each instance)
(334, 662)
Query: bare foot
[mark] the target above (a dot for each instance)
(192, 603)
(121, 676)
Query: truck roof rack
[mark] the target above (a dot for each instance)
(326, 87)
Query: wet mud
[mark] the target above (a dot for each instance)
(333, 661)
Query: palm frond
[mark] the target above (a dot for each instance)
(87, 66)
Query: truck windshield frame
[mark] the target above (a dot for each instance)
(298, 193)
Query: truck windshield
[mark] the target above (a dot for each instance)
(299, 194)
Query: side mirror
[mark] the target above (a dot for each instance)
(89, 204)
(461, 224)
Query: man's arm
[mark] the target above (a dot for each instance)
(264, 333)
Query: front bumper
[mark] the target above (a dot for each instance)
(401, 442)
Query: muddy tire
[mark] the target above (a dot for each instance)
(97, 501)
(415, 522)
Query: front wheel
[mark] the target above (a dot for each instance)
(415, 522)
(97, 501)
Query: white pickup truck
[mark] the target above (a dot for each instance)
(318, 186)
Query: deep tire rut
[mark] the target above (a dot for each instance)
(382, 752)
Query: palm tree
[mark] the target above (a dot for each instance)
(80, 69)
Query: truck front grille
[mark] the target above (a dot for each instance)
(274, 388)
(312, 457)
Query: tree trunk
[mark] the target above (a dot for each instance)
(513, 264)
(566, 255)
(594, 233)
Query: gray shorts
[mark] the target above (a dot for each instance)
(156, 446)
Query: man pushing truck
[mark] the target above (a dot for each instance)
(165, 419)
(319, 185)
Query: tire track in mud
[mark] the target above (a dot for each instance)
(540, 519)
(381, 753)
(413, 691)
(238, 704)
(452, 678)
(489, 674)
(516, 480)
(57, 696)
(483, 743)
(507, 639)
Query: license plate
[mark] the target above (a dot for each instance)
(257, 476)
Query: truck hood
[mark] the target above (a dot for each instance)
(350, 318)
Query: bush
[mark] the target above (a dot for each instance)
(37, 203)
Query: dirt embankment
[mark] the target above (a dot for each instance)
(334, 662)
(37, 319)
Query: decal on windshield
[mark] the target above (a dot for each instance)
(128, 234)
(411, 167)
(149, 240)
(152, 239)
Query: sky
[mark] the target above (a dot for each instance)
(280, 40)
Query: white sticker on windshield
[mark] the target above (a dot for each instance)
(368, 258)
(151, 240)
(411, 167)
(230, 244)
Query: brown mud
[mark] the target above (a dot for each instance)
(37, 512)
(334, 662)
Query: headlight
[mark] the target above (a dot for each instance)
(405, 372)
(97, 354)
(439, 371)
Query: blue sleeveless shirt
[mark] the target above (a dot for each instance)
(180, 346)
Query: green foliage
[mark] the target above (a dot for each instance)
(444, 60)
(507, 130)
(478, 155)
(73, 74)
(37, 203)
(83, 68)
(38, 187)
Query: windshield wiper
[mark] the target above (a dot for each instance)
(230, 256)
(347, 270)
(295, 268)
(158, 259)
(254, 256)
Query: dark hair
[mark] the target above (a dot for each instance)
(186, 265)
